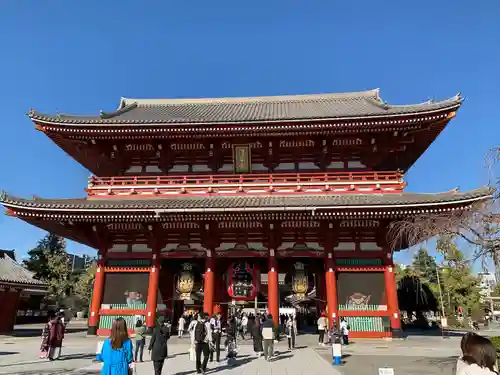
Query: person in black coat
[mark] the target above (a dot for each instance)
(256, 332)
(158, 345)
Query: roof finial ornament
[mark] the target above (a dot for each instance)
(458, 96)
(3, 195)
(31, 112)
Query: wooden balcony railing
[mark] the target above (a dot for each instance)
(335, 182)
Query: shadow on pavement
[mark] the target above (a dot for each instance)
(77, 356)
(58, 372)
(280, 357)
(51, 372)
(8, 353)
(36, 332)
(235, 363)
(431, 332)
(178, 355)
(43, 361)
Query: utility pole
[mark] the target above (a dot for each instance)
(73, 264)
(443, 316)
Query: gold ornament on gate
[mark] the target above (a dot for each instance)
(185, 282)
(300, 281)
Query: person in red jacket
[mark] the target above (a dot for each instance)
(55, 338)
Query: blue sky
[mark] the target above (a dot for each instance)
(57, 56)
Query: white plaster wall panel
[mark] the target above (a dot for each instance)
(134, 169)
(201, 168)
(355, 164)
(141, 248)
(369, 246)
(153, 169)
(345, 246)
(119, 248)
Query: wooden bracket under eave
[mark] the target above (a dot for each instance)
(40, 128)
(10, 212)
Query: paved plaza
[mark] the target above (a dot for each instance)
(416, 355)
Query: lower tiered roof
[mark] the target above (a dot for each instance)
(83, 219)
(269, 202)
(12, 274)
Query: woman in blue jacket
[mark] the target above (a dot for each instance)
(116, 352)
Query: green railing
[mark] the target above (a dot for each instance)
(128, 263)
(358, 262)
(368, 323)
(106, 321)
(362, 308)
(124, 306)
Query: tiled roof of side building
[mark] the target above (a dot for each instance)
(215, 203)
(364, 104)
(13, 273)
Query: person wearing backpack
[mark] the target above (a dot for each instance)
(202, 338)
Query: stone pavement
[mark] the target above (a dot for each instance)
(19, 356)
(402, 365)
(416, 355)
(298, 362)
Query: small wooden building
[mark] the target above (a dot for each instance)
(21, 294)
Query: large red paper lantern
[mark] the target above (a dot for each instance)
(243, 281)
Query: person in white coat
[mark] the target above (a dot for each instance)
(344, 331)
(191, 327)
(180, 327)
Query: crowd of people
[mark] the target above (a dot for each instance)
(329, 335)
(206, 333)
(479, 355)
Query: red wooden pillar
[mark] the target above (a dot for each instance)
(218, 291)
(331, 290)
(320, 289)
(154, 283)
(272, 288)
(97, 294)
(209, 285)
(391, 292)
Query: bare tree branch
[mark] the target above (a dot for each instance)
(465, 223)
(478, 225)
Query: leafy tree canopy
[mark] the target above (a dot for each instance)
(425, 266)
(38, 261)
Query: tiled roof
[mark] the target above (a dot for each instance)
(13, 273)
(217, 203)
(253, 109)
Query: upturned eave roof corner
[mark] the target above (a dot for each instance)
(122, 109)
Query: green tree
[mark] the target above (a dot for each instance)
(425, 266)
(59, 278)
(38, 261)
(496, 290)
(460, 286)
(84, 285)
